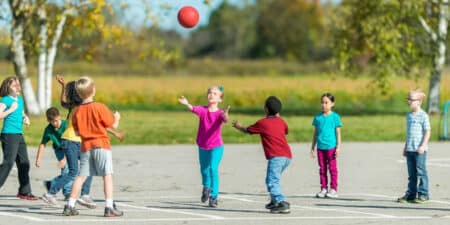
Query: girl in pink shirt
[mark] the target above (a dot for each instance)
(209, 141)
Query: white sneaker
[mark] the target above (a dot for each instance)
(322, 193)
(87, 201)
(50, 199)
(332, 194)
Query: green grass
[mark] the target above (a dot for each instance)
(147, 127)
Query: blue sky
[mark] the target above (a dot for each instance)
(167, 17)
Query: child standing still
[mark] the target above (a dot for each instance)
(209, 141)
(418, 131)
(13, 143)
(90, 121)
(273, 131)
(55, 128)
(327, 135)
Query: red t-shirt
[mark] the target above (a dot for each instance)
(273, 132)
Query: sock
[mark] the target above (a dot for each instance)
(72, 202)
(109, 202)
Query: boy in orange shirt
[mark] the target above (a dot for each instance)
(90, 121)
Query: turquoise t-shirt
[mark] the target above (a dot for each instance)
(13, 123)
(326, 130)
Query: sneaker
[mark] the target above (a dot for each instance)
(47, 185)
(405, 198)
(112, 212)
(205, 194)
(27, 196)
(87, 202)
(281, 207)
(322, 193)
(70, 211)
(332, 194)
(271, 204)
(421, 199)
(213, 202)
(50, 199)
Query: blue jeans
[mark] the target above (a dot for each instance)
(209, 168)
(275, 167)
(72, 152)
(59, 153)
(417, 174)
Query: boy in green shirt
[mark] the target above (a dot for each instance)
(53, 133)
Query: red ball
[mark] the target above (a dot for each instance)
(188, 16)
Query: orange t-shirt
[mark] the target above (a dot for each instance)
(90, 121)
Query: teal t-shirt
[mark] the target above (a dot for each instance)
(326, 130)
(50, 134)
(13, 123)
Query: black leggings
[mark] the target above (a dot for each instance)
(15, 150)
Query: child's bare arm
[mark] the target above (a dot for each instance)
(226, 116)
(426, 138)
(62, 82)
(313, 145)
(118, 134)
(239, 126)
(39, 154)
(183, 100)
(338, 136)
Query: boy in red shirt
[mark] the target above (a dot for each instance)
(272, 130)
(90, 121)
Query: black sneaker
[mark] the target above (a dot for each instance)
(281, 207)
(112, 212)
(205, 194)
(271, 204)
(47, 185)
(213, 202)
(406, 198)
(70, 211)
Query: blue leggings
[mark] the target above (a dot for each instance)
(209, 168)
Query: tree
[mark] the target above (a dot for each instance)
(37, 27)
(396, 37)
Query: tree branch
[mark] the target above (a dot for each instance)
(428, 29)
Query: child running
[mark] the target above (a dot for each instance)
(209, 141)
(327, 135)
(273, 131)
(52, 132)
(418, 131)
(90, 121)
(13, 143)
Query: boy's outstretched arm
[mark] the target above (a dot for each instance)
(183, 100)
(239, 126)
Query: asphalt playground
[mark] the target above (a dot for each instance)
(160, 184)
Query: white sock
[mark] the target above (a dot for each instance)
(85, 196)
(109, 202)
(72, 202)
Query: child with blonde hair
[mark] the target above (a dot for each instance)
(418, 131)
(90, 121)
(209, 141)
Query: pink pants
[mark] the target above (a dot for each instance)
(327, 161)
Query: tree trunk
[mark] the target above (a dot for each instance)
(19, 60)
(439, 60)
(42, 62)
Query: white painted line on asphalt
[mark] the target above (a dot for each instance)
(277, 218)
(320, 209)
(390, 197)
(170, 211)
(22, 217)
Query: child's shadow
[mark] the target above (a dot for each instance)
(195, 206)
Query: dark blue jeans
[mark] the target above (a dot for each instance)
(59, 153)
(417, 174)
(72, 151)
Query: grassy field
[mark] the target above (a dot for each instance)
(145, 127)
